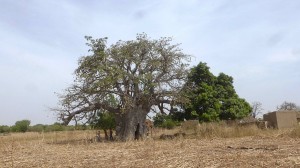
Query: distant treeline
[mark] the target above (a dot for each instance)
(24, 126)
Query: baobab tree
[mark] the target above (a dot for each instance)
(140, 74)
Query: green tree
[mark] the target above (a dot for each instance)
(165, 121)
(22, 126)
(201, 91)
(55, 127)
(158, 119)
(232, 106)
(140, 73)
(235, 108)
(4, 129)
(106, 121)
(212, 97)
(169, 124)
(37, 128)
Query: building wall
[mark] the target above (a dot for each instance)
(281, 119)
(298, 117)
(286, 119)
(271, 119)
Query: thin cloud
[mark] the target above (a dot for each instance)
(285, 56)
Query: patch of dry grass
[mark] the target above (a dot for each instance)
(211, 147)
(221, 130)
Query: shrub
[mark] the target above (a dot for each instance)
(22, 126)
(158, 120)
(169, 124)
(4, 129)
(37, 128)
(54, 127)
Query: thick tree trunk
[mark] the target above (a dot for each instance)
(130, 125)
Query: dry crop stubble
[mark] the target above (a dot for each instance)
(209, 148)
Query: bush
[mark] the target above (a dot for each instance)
(54, 127)
(4, 129)
(177, 116)
(169, 124)
(165, 121)
(37, 128)
(158, 120)
(21, 126)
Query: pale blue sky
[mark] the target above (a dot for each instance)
(257, 42)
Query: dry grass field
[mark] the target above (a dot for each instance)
(208, 146)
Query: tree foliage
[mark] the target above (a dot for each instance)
(4, 129)
(103, 118)
(105, 121)
(140, 74)
(22, 126)
(165, 121)
(213, 97)
(37, 128)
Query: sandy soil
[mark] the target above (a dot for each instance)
(72, 150)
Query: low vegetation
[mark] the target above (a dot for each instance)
(24, 126)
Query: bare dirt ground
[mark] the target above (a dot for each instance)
(71, 149)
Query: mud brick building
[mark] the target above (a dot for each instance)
(282, 119)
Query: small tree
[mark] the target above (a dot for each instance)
(22, 126)
(158, 119)
(37, 128)
(105, 121)
(55, 127)
(4, 129)
(168, 124)
(256, 109)
(165, 121)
